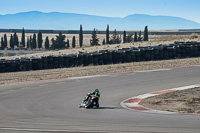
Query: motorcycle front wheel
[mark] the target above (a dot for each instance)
(89, 104)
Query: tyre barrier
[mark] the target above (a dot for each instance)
(7, 66)
(2, 66)
(104, 57)
(85, 59)
(90, 59)
(36, 64)
(156, 53)
(114, 57)
(65, 61)
(55, 61)
(71, 59)
(80, 59)
(50, 62)
(100, 58)
(109, 59)
(94, 58)
(12, 65)
(45, 62)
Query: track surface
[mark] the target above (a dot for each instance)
(53, 106)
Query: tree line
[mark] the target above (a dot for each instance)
(35, 41)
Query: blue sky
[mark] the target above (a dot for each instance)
(188, 9)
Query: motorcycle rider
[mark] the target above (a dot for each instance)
(96, 93)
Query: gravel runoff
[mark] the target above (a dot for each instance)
(13, 77)
(184, 101)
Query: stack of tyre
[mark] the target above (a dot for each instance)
(2, 66)
(104, 57)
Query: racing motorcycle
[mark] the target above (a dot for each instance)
(89, 101)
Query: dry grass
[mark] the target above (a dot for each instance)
(194, 36)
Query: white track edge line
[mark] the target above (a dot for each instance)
(45, 130)
(154, 70)
(84, 77)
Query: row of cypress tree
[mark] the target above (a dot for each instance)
(13, 41)
(116, 39)
(59, 42)
(33, 42)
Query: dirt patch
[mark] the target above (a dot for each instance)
(184, 101)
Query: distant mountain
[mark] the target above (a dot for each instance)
(72, 21)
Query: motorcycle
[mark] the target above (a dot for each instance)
(89, 101)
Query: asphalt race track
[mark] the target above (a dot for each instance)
(52, 106)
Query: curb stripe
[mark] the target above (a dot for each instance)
(134, 100)
(146, 95)
(163, 92)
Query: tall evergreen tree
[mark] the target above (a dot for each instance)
(39, 39)
(107, 35)
(115, 38)
(11, 41)
(28, 43)
(16, 41)
(2, 42)
(59, 42)
(124, 37)
(129, 38)
(34, 42)
(73, 42)
(135, 37)
(5, 41)
(94, 41)
(47, 43)
(31, 42)
(140, 37)
(146, 38)
(23, 38)
(53, 43)
(81, 36)
(67, 43)
(103, 42)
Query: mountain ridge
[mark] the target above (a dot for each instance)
(72, 21)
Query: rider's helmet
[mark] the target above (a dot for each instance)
(96, 90)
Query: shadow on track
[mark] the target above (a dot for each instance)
(107, 108)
